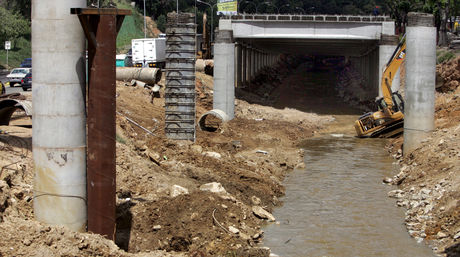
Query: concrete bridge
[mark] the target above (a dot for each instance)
(247, 43)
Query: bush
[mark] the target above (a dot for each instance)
(444, 56)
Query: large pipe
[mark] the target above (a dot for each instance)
(59, 134)
(420, 80)
(147, 75)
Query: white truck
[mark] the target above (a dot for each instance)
(149, 52)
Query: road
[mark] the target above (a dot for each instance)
(9, 90)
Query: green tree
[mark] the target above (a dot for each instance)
(161, 23)
(13, 26)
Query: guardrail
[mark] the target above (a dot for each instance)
(308, 18)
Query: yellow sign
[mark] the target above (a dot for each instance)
(227, 7)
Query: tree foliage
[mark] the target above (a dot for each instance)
(13, 26)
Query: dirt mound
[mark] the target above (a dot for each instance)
(448, 75)
(430, 175)
(152, 28)
(160, 206)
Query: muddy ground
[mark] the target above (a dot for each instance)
(163, 209)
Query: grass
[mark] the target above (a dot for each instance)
(22, 49)
(120, 139)
(444, 56)
(131, 28)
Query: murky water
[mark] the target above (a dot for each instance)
(338, 206)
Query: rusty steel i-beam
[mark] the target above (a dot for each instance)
(101, 27)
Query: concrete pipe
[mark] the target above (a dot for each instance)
(147, 75)
(206, 66)
(199, 65)
(213, 120)
(9, 106)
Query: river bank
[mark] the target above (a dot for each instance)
(205, 198)
(213, 196)
(429, 178)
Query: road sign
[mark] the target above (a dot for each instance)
(227, 7)
(7, 45)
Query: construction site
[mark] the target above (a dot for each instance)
(262, 150)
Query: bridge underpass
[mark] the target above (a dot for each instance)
(248, 43)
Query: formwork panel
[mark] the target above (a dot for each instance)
(180, 110)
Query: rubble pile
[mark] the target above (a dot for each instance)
(449, 74)
(429, 178)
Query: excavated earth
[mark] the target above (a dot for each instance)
(211, 197)
(162, 206)
(429, 178)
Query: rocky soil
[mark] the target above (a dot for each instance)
(211, 197)
(429, 179)
(203, 198)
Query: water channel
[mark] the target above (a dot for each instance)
(338, 205)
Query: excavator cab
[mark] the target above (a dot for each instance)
(398, 103)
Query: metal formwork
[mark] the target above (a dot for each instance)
(180, 76)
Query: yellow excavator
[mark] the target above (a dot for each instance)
(388, 121)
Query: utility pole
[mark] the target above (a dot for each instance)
(7, 47)
(145, 25)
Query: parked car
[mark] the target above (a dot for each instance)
(26, 82)
(17, 75)
(27, 63)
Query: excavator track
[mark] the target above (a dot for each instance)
(390, 131)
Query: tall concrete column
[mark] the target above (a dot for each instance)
(375, 69)
(387, 46)
(244, 66)
(224, 73)
(59, 119)
(249, 64)
(256, 61)
(253, 63)
(238, 68)
(420, 79)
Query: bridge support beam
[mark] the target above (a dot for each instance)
(253, 64)
(374, 71)
(387, 46)
(244, 58)
(420, 80)
(224, 73)
(239, 64)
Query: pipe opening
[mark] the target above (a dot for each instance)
(213, 120)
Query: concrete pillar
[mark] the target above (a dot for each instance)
(420, 79)
(224, 73)
(59, 120)
(387, 46)
(249, 64)
(257, 63)
(253, 63)
(244, 65)
(375, 69)
(238, 68)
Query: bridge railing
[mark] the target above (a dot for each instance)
(314, 18)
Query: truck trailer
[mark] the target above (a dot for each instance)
(149, 52)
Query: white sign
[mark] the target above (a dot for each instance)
(7, 45)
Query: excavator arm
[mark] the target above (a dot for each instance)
(388, 120)
(390, 71)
